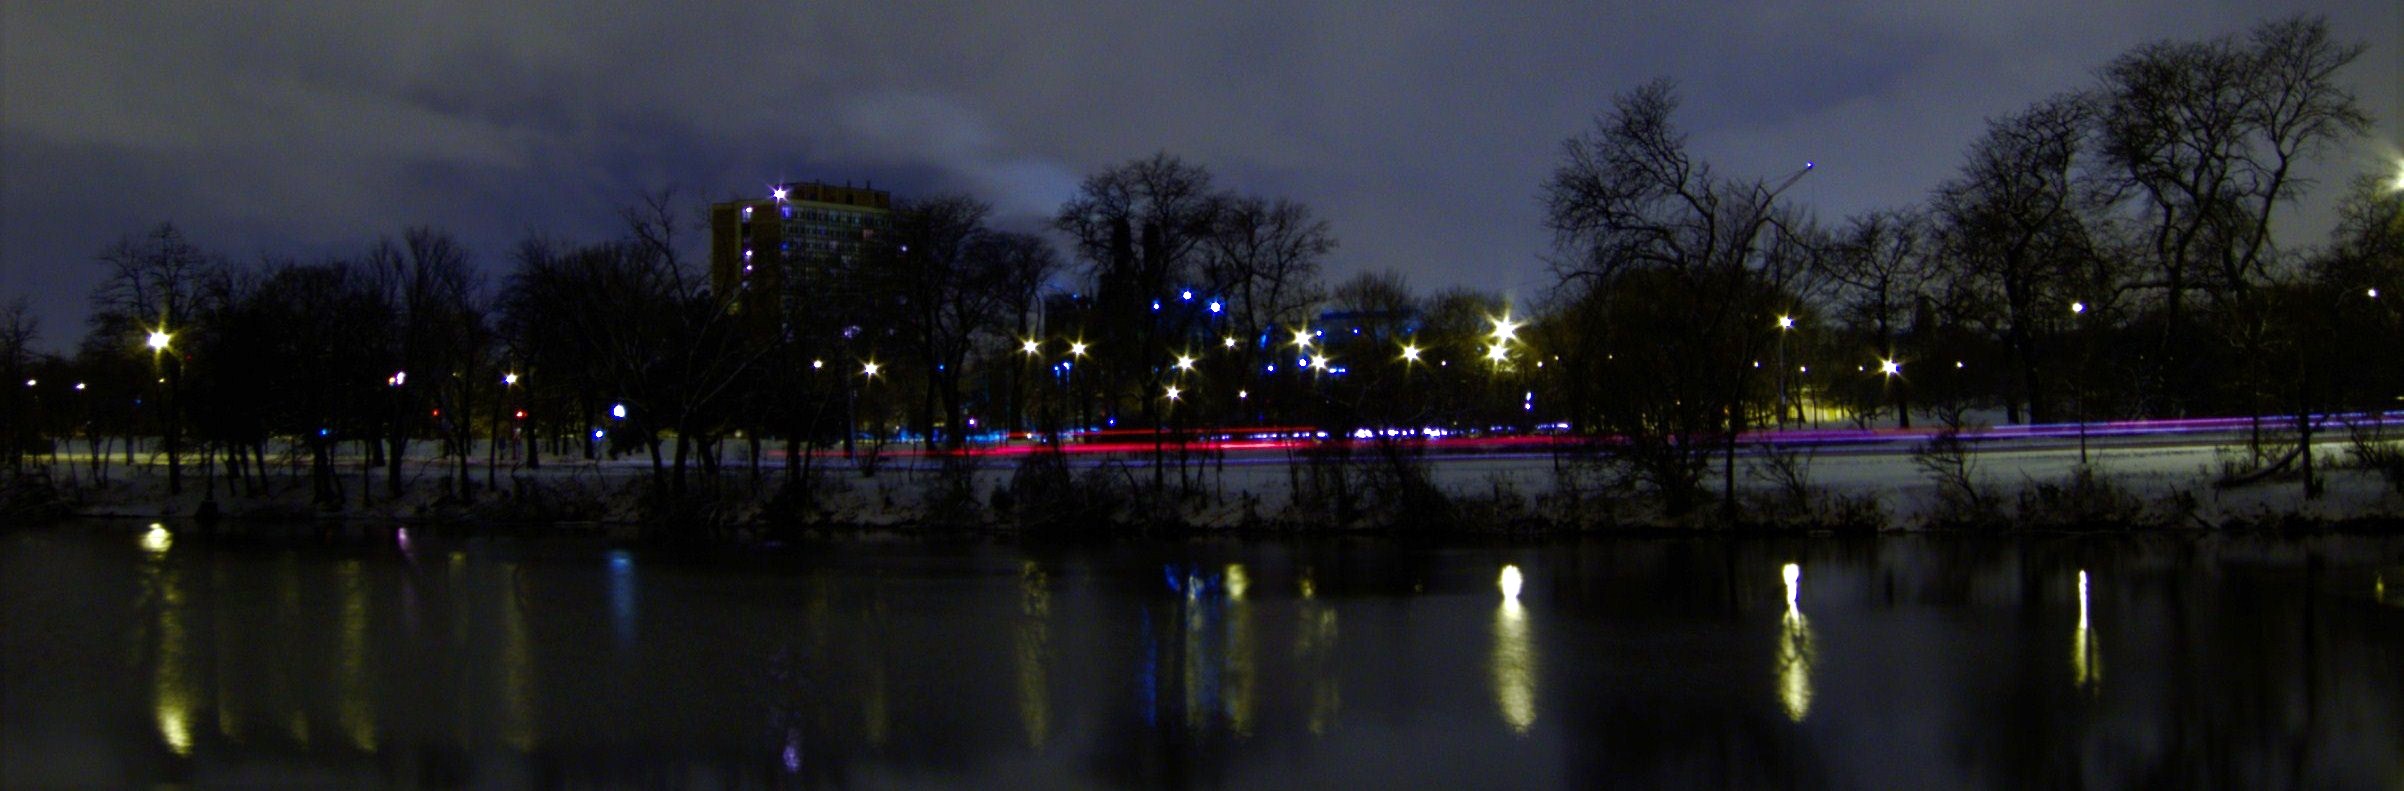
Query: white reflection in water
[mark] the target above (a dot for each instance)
(1513, 664)
(2086, 658)
(1795, 651)
(1033, 638)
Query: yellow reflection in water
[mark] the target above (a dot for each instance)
(2086, 658)
(230, 700)
(1513, 667)
(1239, 652)
(157, 540)
(1034, 641)
(1795, 651)
(288, 605)
(172, 685)
(358, 700)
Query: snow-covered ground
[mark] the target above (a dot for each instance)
(1259, 483)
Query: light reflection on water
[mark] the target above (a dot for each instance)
(1795, 650)
(1214, 663)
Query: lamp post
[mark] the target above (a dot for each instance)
(159, 341)
(2078, 381)
(1786, 324)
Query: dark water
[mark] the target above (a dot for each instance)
(133, 656)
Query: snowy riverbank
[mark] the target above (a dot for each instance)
(2023, 482)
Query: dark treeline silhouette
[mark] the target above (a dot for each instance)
(2108, 252)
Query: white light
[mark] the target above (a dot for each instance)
(397, 378)
(509, 379)
(1786, 322)
(1186, 295)
(1794, 578)
(32, 382)
(869, 369)
(2082, 599)
(1497, 353)
(1890, 367)
(1173, 392)
(158, 340)
(1185, 363)
(1229, 341)
(1410, 353)
(2372, 293)
(1243, 394)
(1215, 306)
(1302, 338)
(1505, 329)
(1510, 582)
(617, 411)
(79, 385)
(1030, 347)
(817, 364)
(598, 433)
(777, 193)
(2078, 307)
(1077, 348)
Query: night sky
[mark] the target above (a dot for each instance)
(1421, 131)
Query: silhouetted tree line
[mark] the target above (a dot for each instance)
(2108, 252)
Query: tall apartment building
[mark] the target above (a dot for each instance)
(801, 257)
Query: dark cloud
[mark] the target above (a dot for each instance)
(1421, 130)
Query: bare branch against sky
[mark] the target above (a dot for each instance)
(1421, 133)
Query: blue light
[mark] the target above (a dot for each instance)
(1214, 306)
(323, 432)
(1186, 295)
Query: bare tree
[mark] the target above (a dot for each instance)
(2202, 137)
(1676, 275)
(2015, 223)
(1265, 256)
(154, 287)
(1139, 227)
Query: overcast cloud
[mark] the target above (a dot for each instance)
(1422, 131)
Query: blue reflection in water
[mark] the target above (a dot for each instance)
(621, 594)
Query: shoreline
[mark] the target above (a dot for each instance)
(2001, 488)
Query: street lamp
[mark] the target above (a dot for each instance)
(869, 369)
(1031, 347)
(1185, 363)
(1890, 368)
(1076, 349)
(158, 340)
(1410, 353)
(1785, 324)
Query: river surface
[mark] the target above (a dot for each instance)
(132, 655)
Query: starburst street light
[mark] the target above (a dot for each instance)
(1302, 338)
(1890, 368)
(510, 380)
(158, 340)
(2077, 308)
(1228, 341)
(1185, 363)
(1031, 347)
(869, 369)
(1076, 349)
(1173, 392)
(1410, 353)
(1505, 330)
(1786, 322)
(1498, 353)
(777, 192)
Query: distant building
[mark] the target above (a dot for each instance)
(802, 256)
